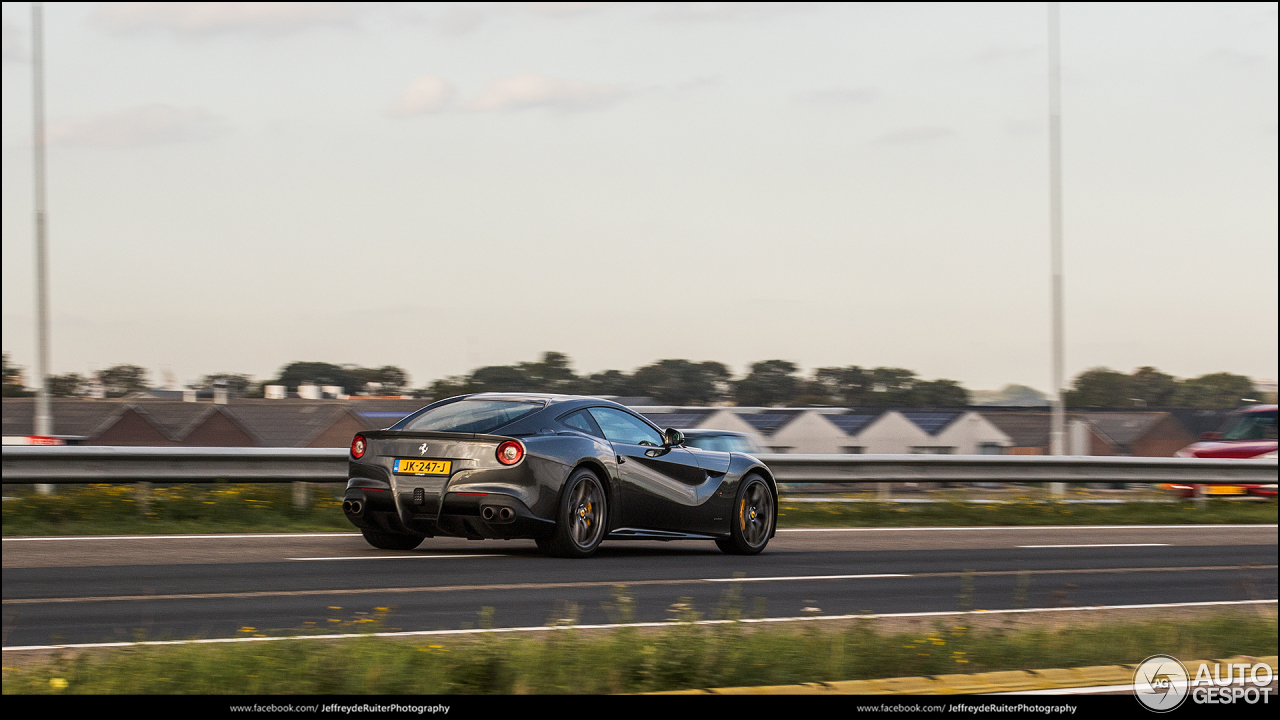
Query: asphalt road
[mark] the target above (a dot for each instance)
(89, 590)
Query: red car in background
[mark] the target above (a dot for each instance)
(1247, 433)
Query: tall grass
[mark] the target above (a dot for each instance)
(681, 656)
(124, 509)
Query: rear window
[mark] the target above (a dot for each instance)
(1251, 426)
(470, 416)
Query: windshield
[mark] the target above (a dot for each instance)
(1251, 426)
(470, 416)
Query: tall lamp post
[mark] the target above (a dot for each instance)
(43, 416)
(1057, 429)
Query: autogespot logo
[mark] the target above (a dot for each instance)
(1160, 683)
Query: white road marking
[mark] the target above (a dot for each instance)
(616, 626)
(1099, 545)
(398, 557)
(1030, 527)
(228, 536)
(268, 536)
(1095, 690)
(804, 577)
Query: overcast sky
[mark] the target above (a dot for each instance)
(236, 187)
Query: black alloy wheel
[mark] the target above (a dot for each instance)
(580, 523)
(753, 516)
(391, 541)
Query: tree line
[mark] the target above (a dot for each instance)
(769, 383)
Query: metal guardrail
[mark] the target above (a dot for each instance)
(53, 465)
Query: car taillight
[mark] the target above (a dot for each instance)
(510, 452)
(358, 447)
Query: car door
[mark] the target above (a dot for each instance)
(660, 485)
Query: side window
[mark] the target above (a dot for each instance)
(582, 421)
(623, 428)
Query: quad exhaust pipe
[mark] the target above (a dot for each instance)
(352, 507)
(491, 513)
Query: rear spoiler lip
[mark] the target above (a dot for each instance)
(432, 435)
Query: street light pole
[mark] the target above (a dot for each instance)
(43, 414)
(1057, 429)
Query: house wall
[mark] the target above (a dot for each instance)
(218, 430)
(810, 433)
(132, 429)
(968, 433)
(1165, 438)
(891, 433)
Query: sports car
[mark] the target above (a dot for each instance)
(1249, 432)
(566, 471)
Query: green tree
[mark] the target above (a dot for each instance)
(69, 385)
(770, 383)
(121, 380)
(386, 380)
(939, 393)
(850, 386)
(892, 387)
(609, 382)
(1022, 396)
(1214, 391)
(1152, 387)
(316, 373)
(448, 387)
(499, 378)
(550, 375)
(13, 383)
(1100, 387)
(682, 382)
(238, 386)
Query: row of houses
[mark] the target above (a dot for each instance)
(950, 431)
(332, 423)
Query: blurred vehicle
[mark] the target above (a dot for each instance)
(1246, 433)
(566, 471)
(722, 441)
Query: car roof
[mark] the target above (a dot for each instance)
(558, 401)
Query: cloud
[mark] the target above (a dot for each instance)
(427, 94)
(15, 45)
(840, 96)
(138, 127)
(908, 136)
(200, 18)
(522, 92)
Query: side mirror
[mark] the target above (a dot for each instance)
(1211, 436)
(672, 437)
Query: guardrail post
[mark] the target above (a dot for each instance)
(143, 490)
(1057, 489)
(882, 491)
(300, 495)
(44, 489)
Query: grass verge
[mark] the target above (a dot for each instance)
(682, 656)
(1024, 512)
(176, 509)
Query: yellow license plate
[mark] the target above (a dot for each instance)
(422, 467)
(1224, 490)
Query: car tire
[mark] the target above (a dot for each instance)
(753, 516)
(391, 541)
(582, 518)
